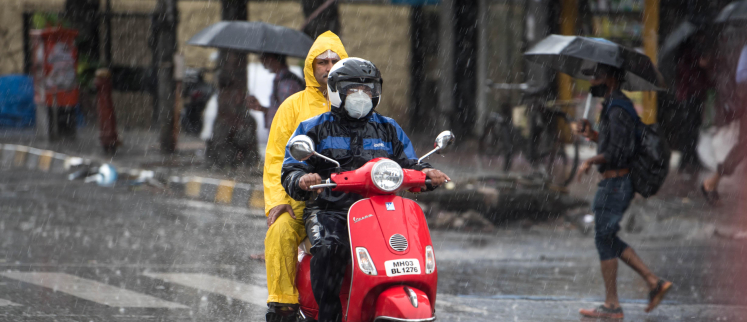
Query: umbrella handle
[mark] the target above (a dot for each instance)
(587, 108)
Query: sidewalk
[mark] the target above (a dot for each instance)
(187, 173)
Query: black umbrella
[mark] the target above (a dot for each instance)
(733, 12)
(573, 54)
(256, 37)
(676, 38)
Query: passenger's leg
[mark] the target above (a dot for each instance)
(281, 257)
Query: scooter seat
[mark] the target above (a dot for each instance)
(305, 246)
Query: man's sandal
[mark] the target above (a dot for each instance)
(657, 294)
(602, 312)
(711, 197)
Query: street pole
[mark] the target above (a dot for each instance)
(650, 47)
(568, 18)
(482, 66)
(446, 63)
(166, 20)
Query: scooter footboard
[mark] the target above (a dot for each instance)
(403, 303)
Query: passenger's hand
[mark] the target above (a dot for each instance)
(437, 177)
(309, 180)
(583, 169)
(278, 210)
(252, 103)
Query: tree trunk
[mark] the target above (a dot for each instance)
(322, 20)
(234, 140)
(465, 67)
(83, 15)
(164, 27)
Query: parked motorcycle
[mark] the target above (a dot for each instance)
(392, 275)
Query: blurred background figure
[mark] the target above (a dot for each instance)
(196, 94)
(285, 84)
(681, 121)
(732, 110)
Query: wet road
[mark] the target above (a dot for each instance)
(71, 251)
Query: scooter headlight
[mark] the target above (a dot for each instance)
(365, 263)
(430, 260)
(387, 175)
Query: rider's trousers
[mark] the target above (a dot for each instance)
(281, 257)
(328, 233)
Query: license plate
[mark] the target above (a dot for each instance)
(399, 267)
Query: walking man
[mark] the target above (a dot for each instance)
(285, 224)
(616, 148)
(284, 85)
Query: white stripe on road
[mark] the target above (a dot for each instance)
(212, 207)
(91, 290)
(243, 292)
(8, 303)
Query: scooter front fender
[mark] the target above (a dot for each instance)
(403, 303)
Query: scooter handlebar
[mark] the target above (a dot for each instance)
(323, 185)
(428, 184)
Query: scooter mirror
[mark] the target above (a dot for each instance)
(301, 147)
(444, 139)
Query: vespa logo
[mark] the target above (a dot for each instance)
(390, 206)
(356, 220)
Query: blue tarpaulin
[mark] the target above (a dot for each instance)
(17, 107)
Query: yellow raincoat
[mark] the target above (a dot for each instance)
(284, 236)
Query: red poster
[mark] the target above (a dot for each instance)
(55, 61)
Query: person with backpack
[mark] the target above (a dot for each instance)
(623, 143)
(285, 84)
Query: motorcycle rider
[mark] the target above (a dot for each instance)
(352, 134)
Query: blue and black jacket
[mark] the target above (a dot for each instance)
(352, 143)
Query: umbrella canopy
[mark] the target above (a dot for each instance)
(676, 38)
(256, 37)
(573, 54)
(733, 12)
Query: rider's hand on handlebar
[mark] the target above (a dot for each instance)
(309, 180)
(437, 177)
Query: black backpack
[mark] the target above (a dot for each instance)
(651, 162)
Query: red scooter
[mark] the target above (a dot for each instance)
(392, 275)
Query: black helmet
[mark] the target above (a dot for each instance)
(352, 72)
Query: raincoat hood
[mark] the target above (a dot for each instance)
(325, 41)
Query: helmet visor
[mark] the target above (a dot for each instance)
(372, 89)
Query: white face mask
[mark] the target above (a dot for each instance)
(358, 104)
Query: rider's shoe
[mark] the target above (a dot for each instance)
(281, 312)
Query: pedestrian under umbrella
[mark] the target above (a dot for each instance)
(574, 54)
(609, 68)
